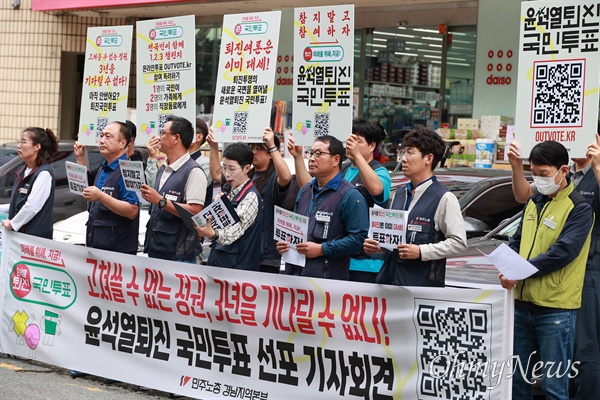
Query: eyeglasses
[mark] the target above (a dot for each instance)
(230, 169)
(316, 153)
(164, 132)
(23, 142)
(408, 153)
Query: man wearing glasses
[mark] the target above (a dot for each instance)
(435, 228)
(179, 180)
(338, 218)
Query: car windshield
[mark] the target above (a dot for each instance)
(7, 153)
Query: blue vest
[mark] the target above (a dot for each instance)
(420, 230)
(41, 224)
(209, 188)
(107, 230)
(244, 253)
(167, 237)
(268, 244)
(324, 224)
(588, 188)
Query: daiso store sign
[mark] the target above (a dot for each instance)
(499, 66)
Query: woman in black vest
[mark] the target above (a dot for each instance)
(31, 205)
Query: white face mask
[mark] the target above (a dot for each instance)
(545, 185)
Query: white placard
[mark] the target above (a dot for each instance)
(558, 75)
(246, 76)
(133, 175)
(292, 228)
(510, 263)
(387, 227)
(323, 72)
(222, 215)
(105, 80)
(166, 73)
(76, 177)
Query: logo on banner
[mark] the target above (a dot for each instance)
(184, 380)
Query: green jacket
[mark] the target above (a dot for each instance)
(540, 230)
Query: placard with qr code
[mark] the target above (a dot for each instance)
(323, 72)
(557, 91)
(166, 74)
(246, 76)
(105, 80)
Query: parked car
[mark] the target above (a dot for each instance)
(66, 203)
(485, 195)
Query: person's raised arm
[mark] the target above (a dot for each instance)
(369, 177)
(214, 162)
(521, 187)
(302, 175)
(593, 152)
(283, 172)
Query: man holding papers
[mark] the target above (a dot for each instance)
(435, 228)
(554, 236)
(179, 180)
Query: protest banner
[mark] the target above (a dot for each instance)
(290, 227)
(323, 72)
(207, 333)
(246, 76)
(76, 177)
(166, 73)
(106, 80)
(387, 227)
(558, 75)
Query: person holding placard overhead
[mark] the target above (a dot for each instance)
(179, 180)
(271, 177)
(238, 246)
(554, 236)
(32, 201)
(435, 228)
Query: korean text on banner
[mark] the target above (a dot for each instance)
(387, 227)
(246, 76)
(207, 333)
(323, 72)
(76, 177)
(166, 73)
(558, 75)
(105, 80)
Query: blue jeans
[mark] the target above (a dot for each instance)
(551, 337)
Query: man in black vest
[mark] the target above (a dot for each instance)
(585, 175)
(435, 228)
(113, 222)
(338, 219)
(179, 180)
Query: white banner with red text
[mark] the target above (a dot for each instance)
(213, 333)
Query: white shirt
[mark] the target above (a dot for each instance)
(195, 186)
(40, 192)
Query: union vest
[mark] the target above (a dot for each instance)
(588, 188)
(268, 244)
(244, 253)
(107, 230)
(167, 237)
(420, 230)
(561, 288)
(41, 224)
(324, 224)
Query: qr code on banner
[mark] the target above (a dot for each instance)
(100, 125)
(240, 122)
(558, 93)
(162, 120)
(453, 349)
(321, 124)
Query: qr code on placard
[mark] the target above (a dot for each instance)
(100, 125)
(558, 93)
(321, 124)
(162, 120)
(453, 349)
(240, 122)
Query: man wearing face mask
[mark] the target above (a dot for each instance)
(554, 236)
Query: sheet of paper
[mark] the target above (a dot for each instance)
(293, 257)
(510, 264)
